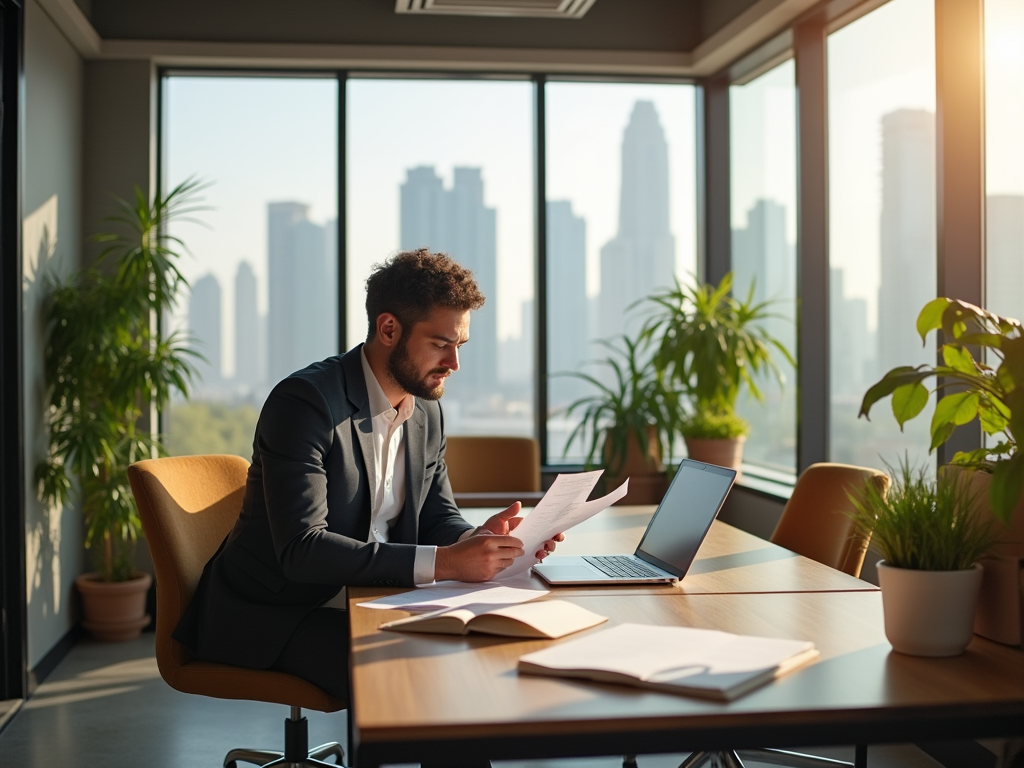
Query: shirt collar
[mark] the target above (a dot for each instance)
(379, 403)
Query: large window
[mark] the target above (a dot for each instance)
(449, 165)
(762, 116)
(264, 300)
(882, 227)
(1004, 171)
(620, 222)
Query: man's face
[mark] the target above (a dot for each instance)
(428, 353)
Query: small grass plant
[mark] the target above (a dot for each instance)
(709, 425)
(922, 523)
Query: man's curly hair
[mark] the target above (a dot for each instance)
(411, 283)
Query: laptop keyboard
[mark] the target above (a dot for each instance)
(621, 566)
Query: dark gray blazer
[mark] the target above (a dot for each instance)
(305, 519)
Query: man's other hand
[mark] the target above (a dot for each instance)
(506, 521)
(477, 558)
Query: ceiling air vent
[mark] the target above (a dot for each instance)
(547, 9)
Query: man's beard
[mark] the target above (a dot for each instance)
(402, 370)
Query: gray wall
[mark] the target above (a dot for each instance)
(52, 232)
(89, 135)
(120, 136)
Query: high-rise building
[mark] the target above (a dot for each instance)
(1004, 255)
(456, 221)
(762, 257)
(641, 258)
(204, 325)
(907, 235)
(567, 301)
(302, 324)
(851, 346)
(250, 351)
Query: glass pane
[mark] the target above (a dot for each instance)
(264, 278)
(1004, 171)
(881, 123)
(762, 118)
(621, 221)
(448, 165)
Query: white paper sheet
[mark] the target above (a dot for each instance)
(563, 506)
(445, 595)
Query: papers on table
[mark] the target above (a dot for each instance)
(445, 595)
(564, 505)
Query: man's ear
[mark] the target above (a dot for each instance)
(389, 330)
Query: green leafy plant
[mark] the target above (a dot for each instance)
(106, 365)
(710, 345)
(992, 391)
(625, 409)
(921, 523)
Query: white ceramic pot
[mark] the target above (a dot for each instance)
(929, 613)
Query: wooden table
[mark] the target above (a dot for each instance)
(428, 697)
(435, 697)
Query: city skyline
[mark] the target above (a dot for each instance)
(457, 221)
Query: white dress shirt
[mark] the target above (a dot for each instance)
(387, 470)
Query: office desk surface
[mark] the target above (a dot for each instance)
(729, 560)
(419, 697)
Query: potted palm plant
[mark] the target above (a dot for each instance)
(709, 345)
(106, 367)
(931, 539)
(623, 422)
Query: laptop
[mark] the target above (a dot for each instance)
(670, 542)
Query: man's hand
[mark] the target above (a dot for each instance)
(506, 521)
(477, 558)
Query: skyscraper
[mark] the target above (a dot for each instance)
(762, 257)
(907, 236)
(205, 327)
(567, 301)
(1004, 260)
(302, 312)
(250, 351)
(457, 222)
(851, 346)
(641, 257)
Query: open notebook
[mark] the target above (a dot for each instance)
(683, 660)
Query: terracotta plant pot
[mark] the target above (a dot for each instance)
(1000, 615)
(647, 479)
(929, 613)
(114, 610)
(725, 452)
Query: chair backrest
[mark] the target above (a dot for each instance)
(187, 504)
(493, 464)
(815, 522)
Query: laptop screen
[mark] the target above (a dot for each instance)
(684, 516)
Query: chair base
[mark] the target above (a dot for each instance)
(732, 759)
(296, 749)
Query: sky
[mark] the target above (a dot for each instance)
(270, 139)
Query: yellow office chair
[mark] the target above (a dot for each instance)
(493, 464)
(814, 524)
(187, 505)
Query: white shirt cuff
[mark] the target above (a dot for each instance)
(423, 565)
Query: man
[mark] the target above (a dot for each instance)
(348, 487)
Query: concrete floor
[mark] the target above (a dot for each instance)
(105, 704)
